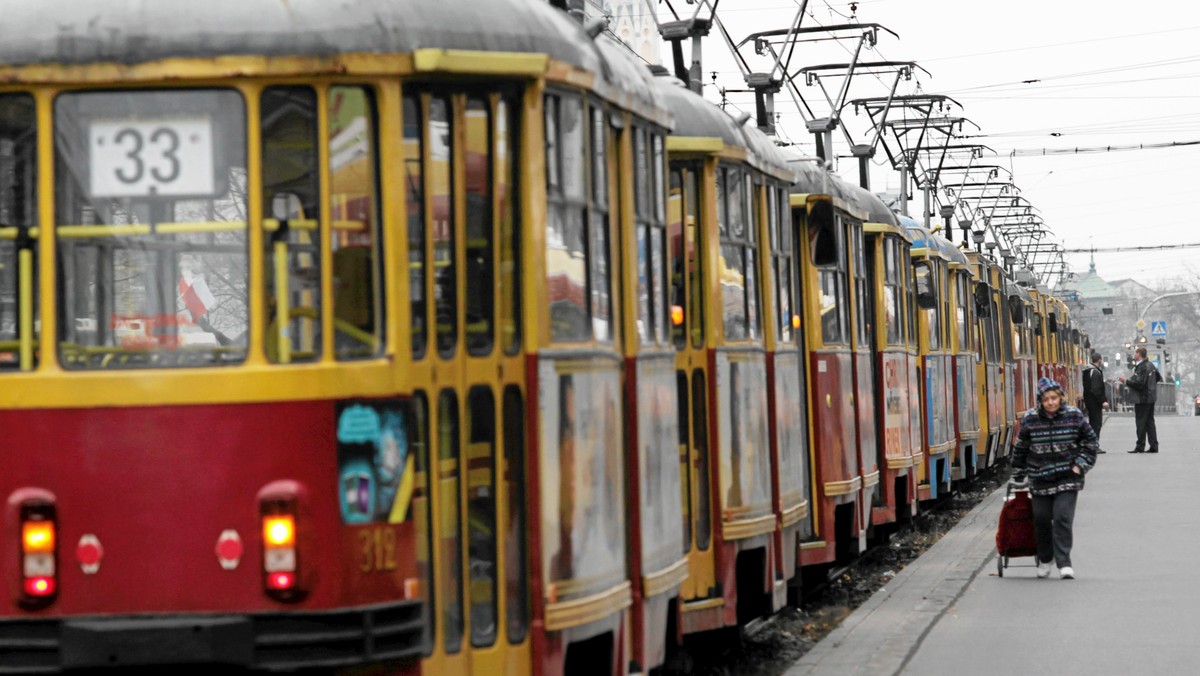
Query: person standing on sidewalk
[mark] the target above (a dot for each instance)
(1143, 387)
(1054, 449)
(1094, 398)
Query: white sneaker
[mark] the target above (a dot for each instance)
(1066, 573)
(1043, 569)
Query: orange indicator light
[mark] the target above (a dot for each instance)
(279, 531)
(676, 315)
(795, 321)
(38, 537)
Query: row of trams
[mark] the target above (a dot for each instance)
(575, 365)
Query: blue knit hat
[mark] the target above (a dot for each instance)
(1046, 384)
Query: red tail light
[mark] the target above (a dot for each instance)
(39, 552)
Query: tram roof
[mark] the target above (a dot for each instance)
(865, 200)
(133, 32)
(138, 31)
(696, 117)
(932, 242)
(811, 176)
(768, 156)
(1014, 289)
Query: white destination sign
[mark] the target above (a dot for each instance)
(169, 157)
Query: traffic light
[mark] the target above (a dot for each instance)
(1177, 381)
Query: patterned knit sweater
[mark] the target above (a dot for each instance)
(1048, 446)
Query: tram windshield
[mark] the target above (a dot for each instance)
(151, 214)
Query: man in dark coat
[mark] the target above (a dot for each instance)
(1143, 388)
(1094, 398)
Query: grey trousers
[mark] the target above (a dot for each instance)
(1053, 516)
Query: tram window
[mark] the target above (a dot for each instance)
(291, 182)
(423, 512)
(441, 200)
(678, 251)
(891, 290)
(659, 164)
(700, 448)
(861, 315)
(754, 218)
(685, 469)
(781, 252)
(739, 293)
(480, 303)
(354, 196)
(649, 209)
(962, 310)
(601, 297)
(515, 531)
(18, 211)
(509, 234)
(927, 299)
(835, 305)
(481, 514)
(450, 572)
(910, 298)
(566, 211)
(154, 182)
(694, 235)
(414, 182)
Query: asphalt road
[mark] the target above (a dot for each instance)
(1134, 607)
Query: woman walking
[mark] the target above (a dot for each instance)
(1054, 449)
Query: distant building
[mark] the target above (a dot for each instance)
(1133, 289)
(1091, 286)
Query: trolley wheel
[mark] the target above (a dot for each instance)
(1000, 565)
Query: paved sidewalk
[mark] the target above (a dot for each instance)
(1133, 609)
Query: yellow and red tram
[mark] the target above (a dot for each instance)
(965, 341)
(727, 188)
(932, 256)
(831, 237)
(896, 398)
(994, 352)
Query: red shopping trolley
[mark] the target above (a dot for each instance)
(1015, 536)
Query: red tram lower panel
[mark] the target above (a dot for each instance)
(165, 523)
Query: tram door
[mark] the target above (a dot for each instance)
(686, 223)
(864, 368)
(460, 168)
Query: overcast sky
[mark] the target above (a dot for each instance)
(1107, 74)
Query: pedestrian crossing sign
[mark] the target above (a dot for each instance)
(1158, 329)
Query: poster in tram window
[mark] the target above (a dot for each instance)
(375, 469)
(582, 477)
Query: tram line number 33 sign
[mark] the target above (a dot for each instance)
(164, 157)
